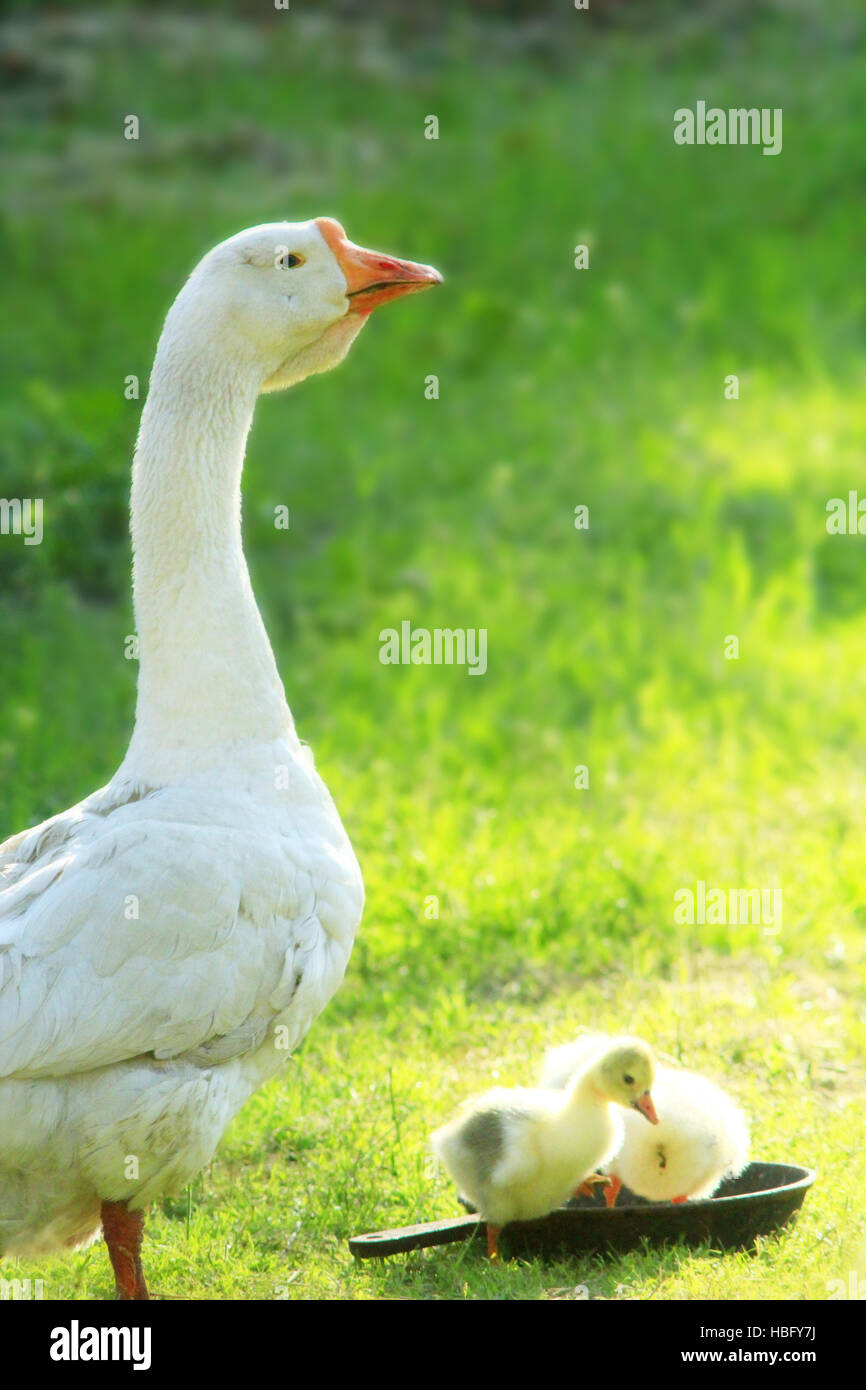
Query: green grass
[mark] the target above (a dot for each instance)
(605, 647)
(338, 1147)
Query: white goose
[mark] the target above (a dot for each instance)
(167, 942)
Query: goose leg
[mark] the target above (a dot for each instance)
(611, 1192)
(585, 1189)
(123, 1230)
(493, 1241)
(677, 1200)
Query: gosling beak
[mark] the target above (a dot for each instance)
(646, 1107)
(373, 279)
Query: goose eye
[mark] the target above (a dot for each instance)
(289, 261)
(629, 1080)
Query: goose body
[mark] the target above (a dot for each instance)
(517, 1154)
(702, 1135)
(138, 1037)
(166, 943)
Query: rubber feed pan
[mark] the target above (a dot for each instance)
(762, 1199)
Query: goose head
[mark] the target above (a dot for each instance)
(625, 1074)
(284, 300)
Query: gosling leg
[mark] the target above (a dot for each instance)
(611, 1192)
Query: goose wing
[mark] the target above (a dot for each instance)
(129, 930)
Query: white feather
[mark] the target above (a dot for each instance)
(167, 942)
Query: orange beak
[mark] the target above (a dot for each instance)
(372, 279)
(646, 1107)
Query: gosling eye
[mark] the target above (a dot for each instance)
(629, 1080)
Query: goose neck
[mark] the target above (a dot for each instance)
(207, 675)
(584, 1089)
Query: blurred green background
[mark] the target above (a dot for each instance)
(557, 387)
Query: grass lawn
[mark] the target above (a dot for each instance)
(606, 646)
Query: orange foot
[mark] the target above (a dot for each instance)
(676, 1200)
(585, 1188)
(612, 1192)
(493, 1241)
